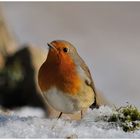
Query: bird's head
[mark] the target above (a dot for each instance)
(61, 52)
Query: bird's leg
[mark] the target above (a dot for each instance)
(57, 119)
(60, 115)
(81, 114)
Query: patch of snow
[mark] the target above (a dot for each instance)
(15, 125)
(28, 111)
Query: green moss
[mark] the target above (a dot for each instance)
(127, 117)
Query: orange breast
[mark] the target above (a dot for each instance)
(63, 76)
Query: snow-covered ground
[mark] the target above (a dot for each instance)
(31, 123)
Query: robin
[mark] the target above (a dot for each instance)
(65, 79)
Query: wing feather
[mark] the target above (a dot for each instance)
(89, 80)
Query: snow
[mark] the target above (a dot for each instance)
(31, 123)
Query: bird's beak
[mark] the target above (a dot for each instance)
(51, 46)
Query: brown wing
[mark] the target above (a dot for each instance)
(89, 82)
(80, 62)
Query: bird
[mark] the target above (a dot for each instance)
(65, 80)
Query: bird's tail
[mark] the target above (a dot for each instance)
(99, 100)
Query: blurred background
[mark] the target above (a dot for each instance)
(106, 34)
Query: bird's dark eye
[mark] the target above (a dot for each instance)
(65, 49)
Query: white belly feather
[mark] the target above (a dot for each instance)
(67, 104)
(60, 101)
